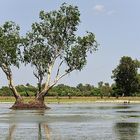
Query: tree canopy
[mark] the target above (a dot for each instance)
(126, 76)
(54, 40)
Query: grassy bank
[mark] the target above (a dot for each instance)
(78, 99)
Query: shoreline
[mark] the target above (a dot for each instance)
(84, 102)
(120, 101)
(74, 100)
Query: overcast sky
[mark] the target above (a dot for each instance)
(116, 24)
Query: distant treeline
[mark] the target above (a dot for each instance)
(103, 89)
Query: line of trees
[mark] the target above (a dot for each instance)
(101, 91)
(61, 90)
(125, 75)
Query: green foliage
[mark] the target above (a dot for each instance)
(22, 90)
(26, 90)
(85, 90)
(126, 77)
(80, 87)
(9, 44)
(10, 54)
(95, 92)
(100, 84)
(5, 91)
(105, 89)
(54, 39)
(31, 88)
(63, 90)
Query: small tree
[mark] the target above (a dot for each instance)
(53, 41)
(80, 87)
(126, 76)
(10, 53)
(100, 86)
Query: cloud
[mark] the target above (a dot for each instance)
(99, 8)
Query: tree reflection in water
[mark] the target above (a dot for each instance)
(11, 132)
(46, 130)
(126, 130)
(42, 127)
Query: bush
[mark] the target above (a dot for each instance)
(5, 91)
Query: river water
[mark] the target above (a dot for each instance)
(97, 121)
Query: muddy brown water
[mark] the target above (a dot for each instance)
(97, 121)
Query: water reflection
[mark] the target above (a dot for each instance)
(46, 130)
(13, 128)
(39, 132)
(43, 128)
(71, 122)
(11, 132)
(126, 130)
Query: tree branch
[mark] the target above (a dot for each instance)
(58, 78)
(59, 69)
(48, 76)
(36, 75)
(6, 70)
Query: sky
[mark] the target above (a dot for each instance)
(115, 23)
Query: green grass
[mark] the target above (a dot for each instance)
(73, 99)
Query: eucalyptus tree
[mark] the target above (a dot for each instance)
(52, 45)
(10, 53)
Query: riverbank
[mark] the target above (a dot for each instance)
(65, 99)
